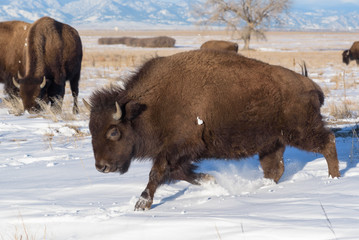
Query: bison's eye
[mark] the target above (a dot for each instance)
(113, 134)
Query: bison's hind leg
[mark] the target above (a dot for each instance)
(321, 140)
(271, 159)
(186, 172)
(329, 151)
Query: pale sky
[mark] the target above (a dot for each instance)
(324, 3)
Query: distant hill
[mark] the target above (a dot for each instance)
(129, 14)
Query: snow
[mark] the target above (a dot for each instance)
(199, 121)
(50, 189)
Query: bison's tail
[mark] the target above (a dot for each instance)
(317, 97)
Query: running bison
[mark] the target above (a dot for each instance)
(351, 54)
(220, 45)
(12, 60)
(53, 55)
(200, 104)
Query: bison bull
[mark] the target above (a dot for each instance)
(351, 54)
(200, 104)
(53, 53)
(220, 45)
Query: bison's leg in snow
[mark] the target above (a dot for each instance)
(322, 140)
(158, 175)
(329, 151)
(185, 171)
(56, 94)
(271, 160)
(74, 85)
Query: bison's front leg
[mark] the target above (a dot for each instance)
(158, 174)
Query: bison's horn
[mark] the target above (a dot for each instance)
(42, 85)
(304, 69)
(87, 105)
(19, 76)
(118, 114)
(16, 84)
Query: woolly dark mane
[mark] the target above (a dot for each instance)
(142, 72)
(104, 99)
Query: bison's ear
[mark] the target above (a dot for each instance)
(134, 109)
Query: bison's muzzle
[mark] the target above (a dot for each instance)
(106, 168)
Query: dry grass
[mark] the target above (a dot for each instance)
(14, 104)
(343, 110)
(111, 64)
(23, 233)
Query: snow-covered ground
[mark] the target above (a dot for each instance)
(50, 189)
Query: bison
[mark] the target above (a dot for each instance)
(220, 45)
(53, 55)
(153, 42)
(12, 60)
(351, 54)
(202, 104)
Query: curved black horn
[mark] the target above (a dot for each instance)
(304, 69)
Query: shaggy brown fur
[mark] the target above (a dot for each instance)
(220, 45)
(351, 54)
(12, 60)
(154, 42)
(54, 51)
(207, 104)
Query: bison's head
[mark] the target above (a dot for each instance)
(114, 137)
(346, 56)
(29, 91)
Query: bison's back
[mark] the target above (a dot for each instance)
(243, 103)
(220, 45)
(354, 49)
(57, 48)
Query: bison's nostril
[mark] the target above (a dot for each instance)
(102, 168)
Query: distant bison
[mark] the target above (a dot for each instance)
(12, 59)
(200, 104)
(53, 53)
(112, 40)
(220, 45)
(153, 42)
(351, 54)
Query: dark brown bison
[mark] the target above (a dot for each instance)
(200, 104)
(220, 45)
(351, 54)
(53, 55)
(112, 40)
(153, 42)
(12, 61)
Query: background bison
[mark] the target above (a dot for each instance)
(351, 54)
(53, 53)
(154, 42)
(207, 104)
(12, 58)
(220, 45)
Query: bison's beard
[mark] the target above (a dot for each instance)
(124, 168)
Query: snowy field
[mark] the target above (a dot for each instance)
(50, 188)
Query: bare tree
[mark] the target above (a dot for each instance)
(243, 17)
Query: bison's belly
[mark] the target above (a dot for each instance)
(239, 142)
